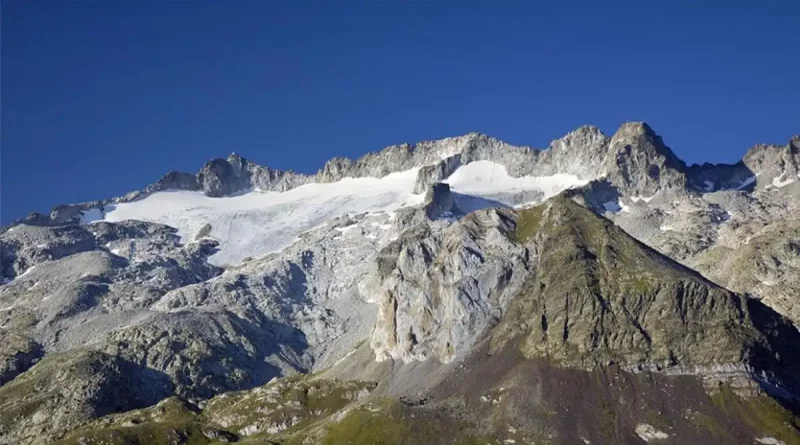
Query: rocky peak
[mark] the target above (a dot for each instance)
(774, 161)
(580, 152)
(640, 163)
(597, 297)
(175, 180)
(794, 143)
(584, 137)
(639, 139)
(634, 160)
(335, 168)
(220, 177)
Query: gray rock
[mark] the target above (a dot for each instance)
(439, 290)
(17, 354)
(440, 201)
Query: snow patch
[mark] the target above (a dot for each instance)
(666, 228)
(352, 351)
(720, 218)
(91, 215)
(709, 186)
(778, 182)
(642, 198)
(413, 200)
(770, 441)
(747, 182)
(257, 223)
(346, 228)
(29, 270)
(647, 432)
(486, 178)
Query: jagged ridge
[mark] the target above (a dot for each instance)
(635, 159)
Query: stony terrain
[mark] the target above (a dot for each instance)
(458, 294)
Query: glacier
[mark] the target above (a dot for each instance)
(257, 223)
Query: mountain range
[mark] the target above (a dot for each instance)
(457, 291)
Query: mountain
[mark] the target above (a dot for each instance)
(462, 290)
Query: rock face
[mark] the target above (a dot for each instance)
(486, 261)
(766, 265)
(95, 286)
(17, 354)
(438, 290)
(639, 163)
(597, 297)
(570, 287)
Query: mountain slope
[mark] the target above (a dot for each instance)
(403, 265)
(715, 367)
(598, 297)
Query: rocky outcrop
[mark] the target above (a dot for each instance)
(439, 201)
(65, 390)
(598, 297)
(26, 246)
(640, 164)
(764, 166)
(766, 265)
(439, 290)
(774, 163)
(569, 286)
(17, 354)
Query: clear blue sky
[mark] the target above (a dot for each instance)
(100, 97)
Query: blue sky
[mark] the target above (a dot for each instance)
(100, 98)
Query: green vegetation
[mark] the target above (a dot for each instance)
(190, 433)
(608, 426)
(170, 421)
(528, 222)
(285, 407)
(651, 417)
(597, 296)
(293, 402)
(710, 424)
(389, 422)
(761, 413)
(32, 390)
